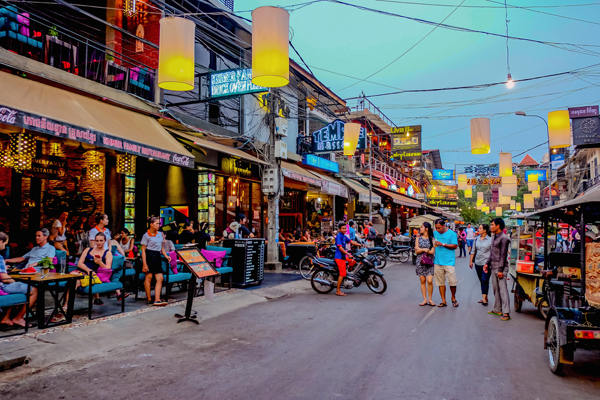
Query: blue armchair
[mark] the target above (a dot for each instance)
(109, 287)
(226, 268)
(12, 300)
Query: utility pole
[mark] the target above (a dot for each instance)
(370, 144)
(273, 199)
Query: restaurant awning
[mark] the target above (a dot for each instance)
(207, 144)
(297, 173)
(400, 199)
(331, 186)
(363, 193)
(46, 109)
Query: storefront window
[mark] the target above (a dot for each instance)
(256, 209)
(219, 206)
(244, 198)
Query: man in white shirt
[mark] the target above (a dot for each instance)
(470, 237)
(61, 225)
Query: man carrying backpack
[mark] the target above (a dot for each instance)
(371, 235)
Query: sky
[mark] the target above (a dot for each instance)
(337, 40)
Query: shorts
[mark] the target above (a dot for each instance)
(14, 288)
(154, 262)
(341, 264)
(440, 272)
(470, 242)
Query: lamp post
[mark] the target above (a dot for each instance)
(523, 114)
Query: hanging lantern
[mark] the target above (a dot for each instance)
(55, 149)
(270, 47)
(95, 172)
(486, 209)
(6, 160)
(176, 54)
(536, 194)
(21, 163)
(480, 207)
(533, 186)
(528, 200)
(498, 211)
(513, 204)
(351, 136)
(559, 129)
(469, 192)
(462, 182)
(502, 199)
(509, 185)
(505, 164)
(480, 135)
(126, 164)
(22, 144)
(479, 198)
(518, 206)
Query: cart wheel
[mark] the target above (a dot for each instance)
(518, 302)
(554, 349)
(543, 307)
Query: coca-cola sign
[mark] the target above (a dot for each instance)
(22, 119)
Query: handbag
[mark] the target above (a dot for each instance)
(86, 280)
(426, 260)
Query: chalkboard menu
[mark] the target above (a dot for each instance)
(196, 262)
(247, 260)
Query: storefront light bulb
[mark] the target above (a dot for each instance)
(407, 134)
(510, 83)
(319, 199)
(230, 179)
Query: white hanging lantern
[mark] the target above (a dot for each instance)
(528, 200)
(351, 136)
(559, 129)
(270, 47)
(480, 135)
(498, 211)
(176, 54)
(505, 164)
(462, 182)
(533, 186)
(513, 204)
(509, 185)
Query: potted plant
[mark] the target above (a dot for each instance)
(45, 263)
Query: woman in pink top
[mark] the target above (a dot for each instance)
(462, 242)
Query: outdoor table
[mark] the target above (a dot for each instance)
(50, 284)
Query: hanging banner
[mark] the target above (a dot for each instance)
(480, 169)
(331, 138)
(443, 175)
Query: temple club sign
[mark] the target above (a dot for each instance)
(331, 138)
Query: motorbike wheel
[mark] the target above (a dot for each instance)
(381, 261)
(376, 283)
(554, 349)
(543, 307)
(403, 257)
(318, 287)
(305, 267)
(414, 259)
(518, 302)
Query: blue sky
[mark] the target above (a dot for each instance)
(357, 43)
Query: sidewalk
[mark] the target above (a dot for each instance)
(90, 339)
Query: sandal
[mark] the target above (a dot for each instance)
(123, 296)
(98, 302)
(432, 304)
(423, 304)
(455, 303)
(495, 313)
(484, 304)
(442, 305)
(505, 318)
(480, 301)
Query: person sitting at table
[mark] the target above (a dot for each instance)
(202, 236)
(306, 237)
(9, 286)
(125, 241)
(186, 233)
(283, 243)
(42, 250)
(57, 245)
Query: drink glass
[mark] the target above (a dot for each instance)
(63, 265)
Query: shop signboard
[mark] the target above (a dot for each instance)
(440, 202)
(233, 82)
(331, 138)
(319, 162)
(334, 189)
(586, 131)
(406, 147)
(443, 175)
(532, 173)
(488, 181)
(557, 160)
(301, 177)
(364, 198)
(48, 167)
(37, 123)
(583, 112)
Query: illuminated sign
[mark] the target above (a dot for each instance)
(557, 160)
(232, 83)
(331, 138)
(540, 173)
(443, 175)
(442, 202)
(316, 161)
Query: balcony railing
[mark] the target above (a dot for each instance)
(304, 145)
(23, 34)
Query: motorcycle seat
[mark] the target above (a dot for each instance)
(327, 261)
(403, 248)
(375, 248)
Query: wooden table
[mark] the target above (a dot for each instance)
(50, 283)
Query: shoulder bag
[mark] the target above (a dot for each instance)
(426, 260)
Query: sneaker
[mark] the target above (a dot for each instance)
(150, 303)
(160, 303)
(98, 302)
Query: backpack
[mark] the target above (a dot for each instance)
(372, 234)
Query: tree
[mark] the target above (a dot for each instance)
(468, 209)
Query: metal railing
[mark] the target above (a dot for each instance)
(304, 145)
(365, 104)
(23, 33)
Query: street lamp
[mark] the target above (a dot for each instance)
(523, 114)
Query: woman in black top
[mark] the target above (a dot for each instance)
(202, 237)
(186, 234)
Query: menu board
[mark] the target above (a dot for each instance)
(247, 260)
(197, 263)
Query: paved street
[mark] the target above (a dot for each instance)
(310, 346)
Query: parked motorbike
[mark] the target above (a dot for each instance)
(325, 276)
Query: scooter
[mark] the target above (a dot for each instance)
(325, 276)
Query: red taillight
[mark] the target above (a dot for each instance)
(579, 334)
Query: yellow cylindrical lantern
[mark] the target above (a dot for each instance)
(486, 209)
(559, 129)
(503, 199)
(469, 192)
(270, 47)
(533, 186)
(176, 54)
(351, 136)
(505, 164)
(480, 135)
(479, 206)
(513, 204)
(528, 200)
(498, 211)
(536, 194)
(479, 197)
(509, 185)
(462, 182)
(518, 206)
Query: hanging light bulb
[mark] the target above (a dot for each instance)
(270, 47)
(176, 54)
(509, 82)
(480, 136)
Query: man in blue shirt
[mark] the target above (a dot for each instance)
(42, 250)
(340, 255)
(446, 243)
(351, 231)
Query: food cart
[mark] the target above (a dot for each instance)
(573, 319)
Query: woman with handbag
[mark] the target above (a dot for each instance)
(425, 249)
(480, 253)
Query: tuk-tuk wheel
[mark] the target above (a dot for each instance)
(543, 307)
(554, 349)
(518, 302)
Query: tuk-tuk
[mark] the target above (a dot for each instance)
(573, 282)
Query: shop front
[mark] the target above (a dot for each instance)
(358, 206)
(401, 208)
(302, 200)
(62, 151)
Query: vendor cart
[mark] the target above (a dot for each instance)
(573, 291)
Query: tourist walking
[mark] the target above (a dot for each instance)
(497, 264)
(462, 242)
(480, 253)
(470, 236)
(152, 264)
(445, 243)
(425, 250)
